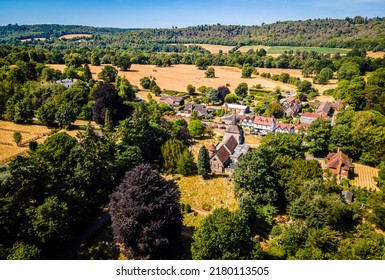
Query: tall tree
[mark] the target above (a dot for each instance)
(242, 90)
(318, 137)
(171, 151)
(204, 167)
(145, 214)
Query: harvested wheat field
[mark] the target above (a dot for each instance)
(177, 77)
(8, 148)
(364, 176)
(213, 48)
(30, 39)
(71, 36)
(375, 54)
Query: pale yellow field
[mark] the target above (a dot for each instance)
(8, 148)
(177, 77)
(71, 36)
(365, 175)
(375, 54)
(213, 48)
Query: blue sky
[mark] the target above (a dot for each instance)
(154, 13)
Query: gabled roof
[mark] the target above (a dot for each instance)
(240, 150)
(236, 106)
(339, 161)
(324, 108)
(302, 125)
(312, 115)
(284, 126)
(223, 154)
(264, 120)
(211, 148)
(231, 143)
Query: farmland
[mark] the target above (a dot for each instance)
(213, 48)
(71, 36)
(364, 176)
(8, 148)
(177, 77)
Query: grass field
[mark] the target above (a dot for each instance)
(30, 39)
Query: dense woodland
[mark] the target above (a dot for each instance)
(356, 32)
(50, 194)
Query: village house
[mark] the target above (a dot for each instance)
(308, 118)
(325, 109)
(201, 109)
(66, 82)
(225, 156)
(284, 128)
(264, 124)
(340, 164)
(291, 106)
(174, 101)
(236, 109)
(247, 121)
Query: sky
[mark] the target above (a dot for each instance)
(167, 14)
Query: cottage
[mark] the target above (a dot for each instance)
(284, 128)
(67, 82)
(201, 109)
(247, 122)
(325, 109)
(264, 124)
(236, 109)
(174, 101)
(308, 118)
(340, 164)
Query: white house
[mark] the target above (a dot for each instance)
(264, 124)
(236, 109)
(284, 128)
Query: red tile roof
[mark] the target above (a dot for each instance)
(223, 154)
(264, 120)
(231, 143)
(283, 126)
(312, 115)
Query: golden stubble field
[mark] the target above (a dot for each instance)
(177, 77)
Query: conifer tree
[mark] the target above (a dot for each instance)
(203, 162)
(171, 151)
(185, 163)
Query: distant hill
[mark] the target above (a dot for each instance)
(336, 33)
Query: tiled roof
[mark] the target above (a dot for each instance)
(324, 108)
(231, 144)
(223, 154)
(283, 126)
(339, 160)
(264, 120)
(312, 115)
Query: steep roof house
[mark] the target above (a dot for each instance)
(308, 118)
(340, 164)
(284, 128)
(264, 124)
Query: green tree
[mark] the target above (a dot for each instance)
(348, 71)
(274, 110)
(145, 82)
(304, 87)
(318, 137)
(123, 62)
(108, 74)
(185, 163)
(341, 138)
(65, 115)
(204, 167)
(46, 113)
(210, 72)
(50, 220)
(73, 59)
(17, 138)
(202, 63)
(254, 175)
(24, 251)
(171, 152)
(87, 73)
(196, 128)
(222, 236)
(324, 76)
(247, 70)
(242, 90)
(95, 60)
(214, 95)
(190, 89)
(231, 98)
(126, 90)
